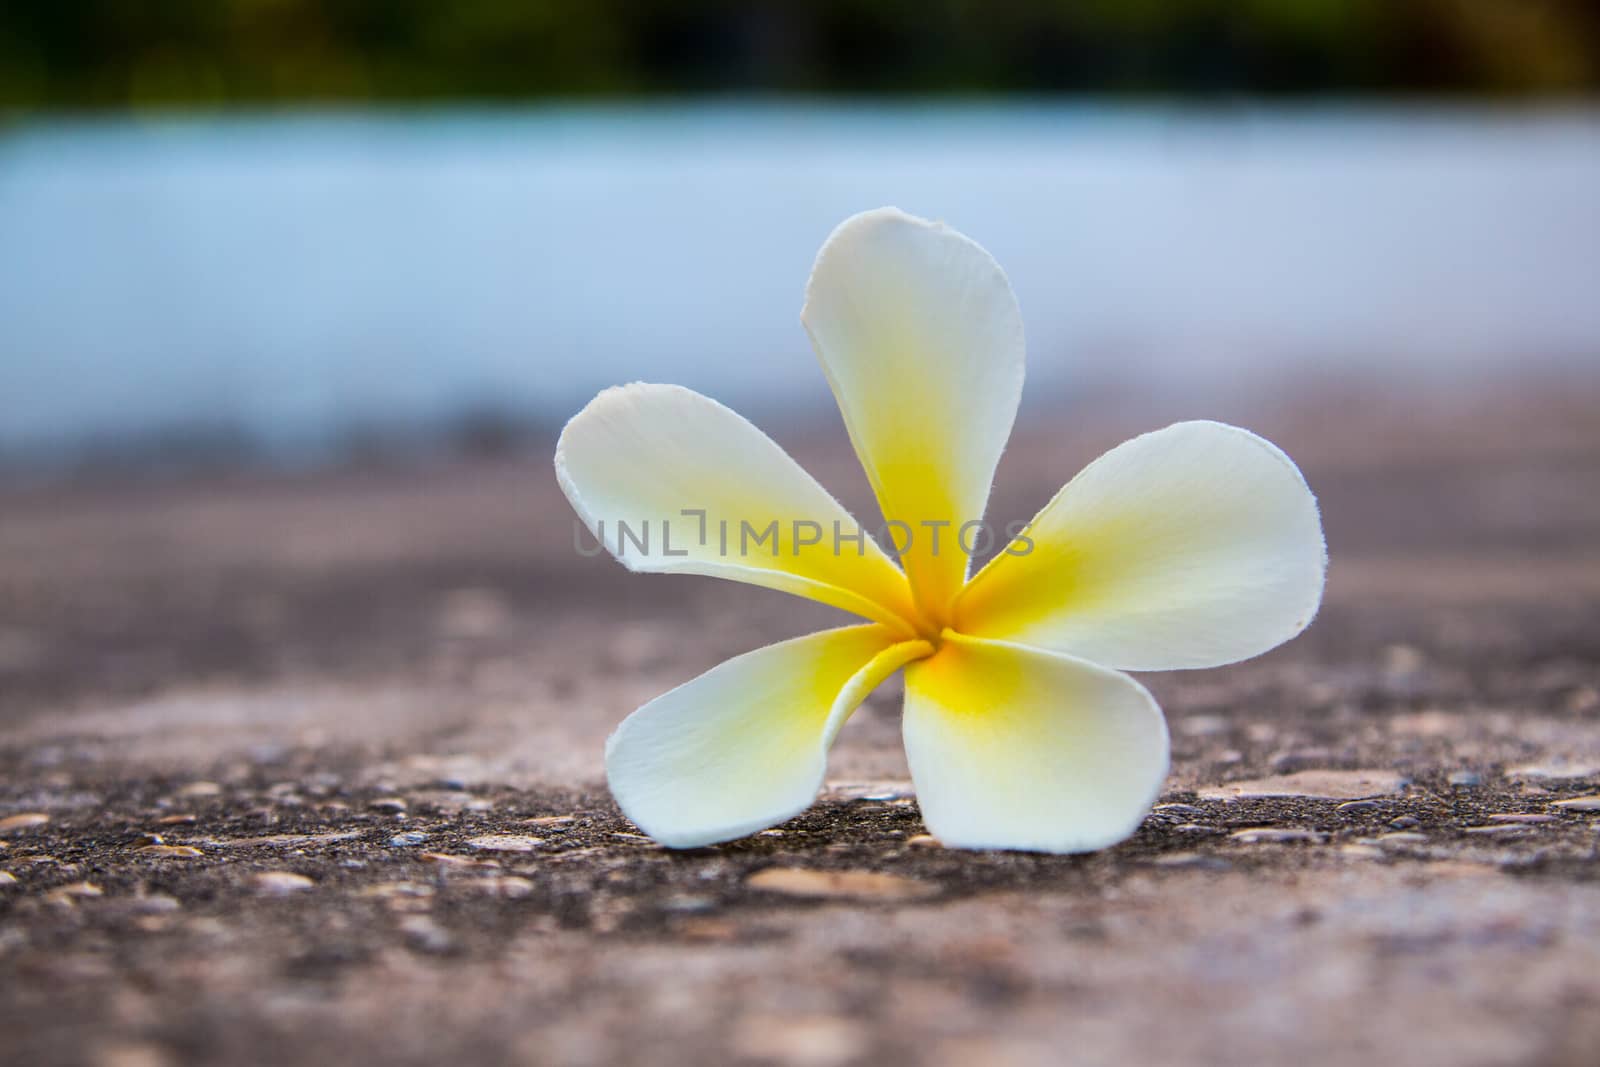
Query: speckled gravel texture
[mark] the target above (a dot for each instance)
(307, 769)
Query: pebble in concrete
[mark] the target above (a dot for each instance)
(1317, 784)
(173, 852)
(1258, 835)
(505, 843)
(803, 882)
(281, 883)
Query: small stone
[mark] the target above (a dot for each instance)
(449, 801)
(1203, 725)
(505, 843)
(1359, 851)
(1497, 828)
(1466, 779)
(284, 840)
(150, 839)
(803, 882)
(1402, 837)
(770, 833)
(445, 859)
(68, 895)
(7, 878)
(1258, 835)
(1196, 828)
(1405, 822)
(25, 821)
(1317, 784)
(871, 791)
(1179, 809)
(425, 934)
(1522, 818)
(201, 789)
(1192, 861)
(170, 852)
(701, 928)
(923, 841)
(281, 883)
(508, 887)
(1355, 806)
(1555, 770)
(393, 890)
(638, 839)
(550, 820)
(1587, 803)
(154, 904)
(180, 819)
(407, 839)
(388, 804)
(689, 904)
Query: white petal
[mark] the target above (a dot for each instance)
(644, 455)
(1192, 546)
(1012, 747)
(745, 745)
(921, 339)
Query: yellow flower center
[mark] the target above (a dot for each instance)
(931, 621)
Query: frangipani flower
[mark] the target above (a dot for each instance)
(1193, 546)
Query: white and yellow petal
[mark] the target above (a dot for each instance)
(672, 481)
(1193, 546)
(920, 337)
(1017, 748)
(745, 745)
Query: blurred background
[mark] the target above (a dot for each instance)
(295, 294)
(287, 231)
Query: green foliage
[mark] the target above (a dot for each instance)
(135, 53)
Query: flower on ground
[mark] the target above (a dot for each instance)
(1192, 546)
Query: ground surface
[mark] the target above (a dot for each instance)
(307, 769)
